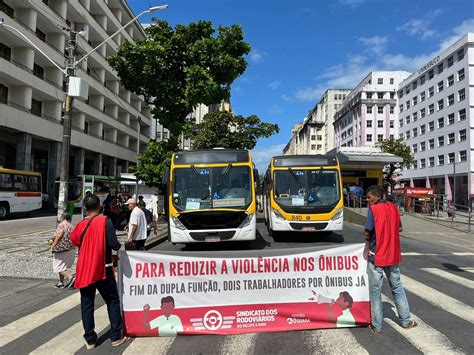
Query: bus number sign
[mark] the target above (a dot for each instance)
(296, 218)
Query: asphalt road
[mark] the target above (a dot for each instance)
(438, 278)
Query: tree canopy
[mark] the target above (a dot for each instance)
(393, 171)
(176, 69)
(226, 130)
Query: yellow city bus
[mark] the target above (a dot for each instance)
(303, 193)
(211, 196)
(20, 191)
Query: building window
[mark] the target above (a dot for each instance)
(41, 35)
(422, 96)
(461, 74)
(5, 52)
(392, 137)
(407, 105)
(415, 100)
(407, 134)
(380, 137)
(415, 164)
(400, 122)
(400, 109)
(451, 138)
(450, 80)
(400, 94)
(441, 159)
(440, 105)
(369, 138)
(380, 95)
(380, 81)
(369, 124)
(320, 138)
(407, 119)
(415, 116)
(313, 146)
(431, 109)
(380, 123)
(462, 114)
(415, 132)
(422, 163)
(392, 125)
(440, 86)
(313, 137)
(462, 94)
(441, 141)
(407, 89)
(369, 109)
(451, 158)
(450, 119)
(441, 122)
(462, 155)
(431, 126)
(368, 94)
(320, 146)
(422, 146)
(462, 135)
(36, 107)
(461, 54)
(440, 68)
(431, 91)
(431, 74)
(450, 61)
(422, 130)
(431, 161)
(422, 79)
(392, 95)
(414, 85)
(391, 109)
(38, 71)
(451, 100)
(431, 143)
(392, 81)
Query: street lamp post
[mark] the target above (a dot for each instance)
(71, 64)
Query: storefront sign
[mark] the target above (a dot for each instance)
(168, 294)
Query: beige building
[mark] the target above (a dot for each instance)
(107, 128)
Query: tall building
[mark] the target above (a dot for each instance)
(107, 129)
(291, 147)
(436, 119)
(368, 114)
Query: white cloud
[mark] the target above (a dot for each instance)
(275, 110)
(465, 27)
(256, 56)
(287, 98)
(261, 156)
(309, 93)
(421, 27)
(375, 44)
(274, 84)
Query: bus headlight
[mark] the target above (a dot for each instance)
(247, 221)
(278, 215)
(177, 223)
(338, 214)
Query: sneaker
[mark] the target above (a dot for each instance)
(410, 325)
(90, 346)
(59, 285)
(71, 283)
(374, 330)
(120, 341)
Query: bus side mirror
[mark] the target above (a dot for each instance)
(166, 178)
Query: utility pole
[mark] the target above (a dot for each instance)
(138, 153)
(454, 182)
(64, 169)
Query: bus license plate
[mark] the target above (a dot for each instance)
(212, 239)
(309, 229)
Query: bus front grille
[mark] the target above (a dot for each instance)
(212, 219)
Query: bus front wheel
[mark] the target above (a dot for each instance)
(4, 209)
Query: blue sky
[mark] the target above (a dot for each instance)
(301, 48)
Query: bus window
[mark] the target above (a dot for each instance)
(34, 183)
(20, 182)
(6, 182)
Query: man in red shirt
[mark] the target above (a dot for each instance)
(95, 236)
(382, 231)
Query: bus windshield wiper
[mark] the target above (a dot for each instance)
(206, 183)
(223, 176)
(296, 178)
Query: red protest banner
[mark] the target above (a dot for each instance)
(242, 292)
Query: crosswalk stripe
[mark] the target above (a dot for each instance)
(239, 344)
(20, 327)
(160, 345)
(70, 340)
(425, 338)
(333, 341)
(451, 277)
(439, 299)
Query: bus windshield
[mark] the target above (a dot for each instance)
(306, 188)
(212, 187)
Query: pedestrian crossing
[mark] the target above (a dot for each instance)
(431, 336)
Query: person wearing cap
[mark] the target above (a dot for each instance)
(136, 226)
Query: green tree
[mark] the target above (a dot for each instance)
(393, 171)
(176, 69)
(226, 130)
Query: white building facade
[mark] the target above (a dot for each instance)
(436, 119)
(108, 128)
(368, 114)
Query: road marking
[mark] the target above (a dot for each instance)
(439, 299)
(425, 338)
(70, 341)
(411, 253)
(465, 246)
(463, 254)
(150, 345)
(417, 254)
(20, 327)
(332, 341)
(239, 344)
(451, 277)
(26, 233)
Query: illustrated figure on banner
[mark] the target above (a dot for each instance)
(168, 324)
(340, 306)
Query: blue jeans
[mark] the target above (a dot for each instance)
(108, 290)
(375, 274)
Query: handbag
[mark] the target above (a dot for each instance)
(64, 243)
